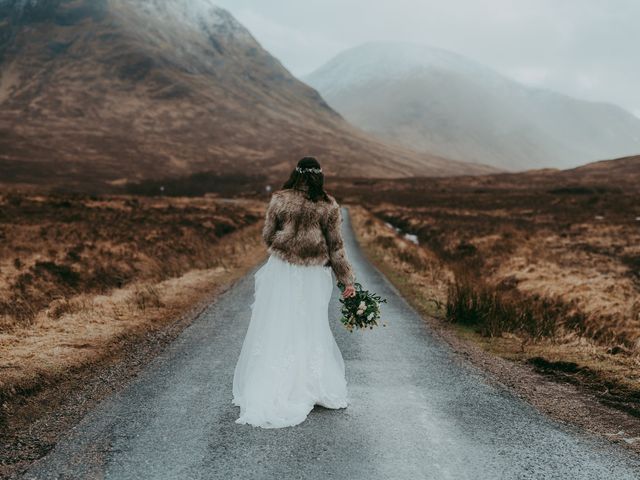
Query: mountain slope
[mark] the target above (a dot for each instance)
(434, 100)
(95, 91)
(617, 176)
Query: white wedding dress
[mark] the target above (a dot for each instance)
(289, 360)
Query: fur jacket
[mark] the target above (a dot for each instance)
(304, 232)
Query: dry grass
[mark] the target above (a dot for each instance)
(57, 247)
(529, 289)
(581, 271)
(417, 272)
(571, 250)
(82, 276)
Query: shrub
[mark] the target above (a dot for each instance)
(146, 296)
(385, 241)
(63, 273)
(472, 302)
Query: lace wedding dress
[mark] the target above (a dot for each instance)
(289, 360)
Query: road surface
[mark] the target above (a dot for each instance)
(417, 412)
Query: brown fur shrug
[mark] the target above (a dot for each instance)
(304, 232)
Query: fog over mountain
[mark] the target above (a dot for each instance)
(104, 92)
(440, 102)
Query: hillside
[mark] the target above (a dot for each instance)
(619, 176)
(101, 93)
(440, 102)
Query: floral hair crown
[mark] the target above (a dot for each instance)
(308, 170)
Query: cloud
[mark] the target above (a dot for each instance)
(583, 48)
(529, 75)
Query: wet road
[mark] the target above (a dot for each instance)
(417, 412)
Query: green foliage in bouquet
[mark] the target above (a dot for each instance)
(362, 310)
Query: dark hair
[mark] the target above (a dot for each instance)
(308, 173)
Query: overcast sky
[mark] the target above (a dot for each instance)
(585, 48)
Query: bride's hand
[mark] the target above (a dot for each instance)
(349, 291)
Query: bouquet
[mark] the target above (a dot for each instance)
(362, 310)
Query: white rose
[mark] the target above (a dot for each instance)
(370, 316)
(362, 305)
(359, 312)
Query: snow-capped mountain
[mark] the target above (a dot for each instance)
(104, 92)
(437, 101)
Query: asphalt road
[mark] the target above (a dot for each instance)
(417, 412)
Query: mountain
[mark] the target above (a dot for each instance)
(606, 185)
(440, 102)
(97, 93)
(617, 175)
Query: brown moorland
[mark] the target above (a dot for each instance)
(542, 267)
(86, 282)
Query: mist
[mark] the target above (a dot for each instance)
(582, 48)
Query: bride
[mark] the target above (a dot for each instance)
(289, 360)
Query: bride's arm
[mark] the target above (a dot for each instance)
(271, 223)
(339, 261)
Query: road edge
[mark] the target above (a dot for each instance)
(91, 384)
(562, 402)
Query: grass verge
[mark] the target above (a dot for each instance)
(533, 330)
(86, 339)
